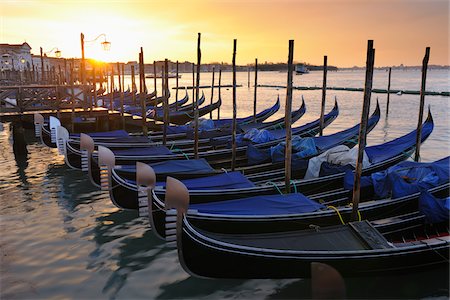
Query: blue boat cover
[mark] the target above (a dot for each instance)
(258, 136)
(435, 209)
(230, 180)
(301, 148)
(405, 178)
(203, 124)
(143, 151)
(397, 146)
(192, 166)
(104, 134)
(261, 205)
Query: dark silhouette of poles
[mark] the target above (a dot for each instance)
(165, 94)
(141, 94)
(388, 91)
(154, 77)
(422, 103)
(176, 89)
(133, 86)
(197, 91)
(324, 94)
(288, 120)
(255, 91)
(233, 136)
(220, 93)
(212, 92)
(363, 127)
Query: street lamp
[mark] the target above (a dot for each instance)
(106, 47)
(57, 52)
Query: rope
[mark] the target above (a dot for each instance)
(338, 213)
(295, 186)
(273, 184)
(179, 150)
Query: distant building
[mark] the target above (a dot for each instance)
(15, 57)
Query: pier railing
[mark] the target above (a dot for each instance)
(23, 98)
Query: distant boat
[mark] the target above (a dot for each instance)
(301, 69)
(171, 75)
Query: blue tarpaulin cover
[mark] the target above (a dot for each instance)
(141, 151)
(301, 148)
(397, 146)
(105, 134)
(435, 209)
(231, 180)
(261, 205)
(405, 178)
(192, 166)
(259, 136)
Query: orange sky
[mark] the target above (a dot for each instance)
(340, 29)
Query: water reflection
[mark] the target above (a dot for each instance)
(124, 245)
(20, 150)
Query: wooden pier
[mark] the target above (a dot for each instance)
(21, 102)
(379, 91)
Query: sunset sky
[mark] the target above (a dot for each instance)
(401, 29)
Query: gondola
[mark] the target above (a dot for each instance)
(381, 156)
(396, 245)
(160, 153)
(280, 212)
(227, 185)
(182, 117)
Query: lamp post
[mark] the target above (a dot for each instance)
(105, 45)
(57, 55)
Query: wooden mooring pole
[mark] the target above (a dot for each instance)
(133, 85)
(111, 95)
(165, 94)
(220, 93)
(193, 86)
(324, 94)
(363, 128)
(42, 66)
(288, 120)
(197, 92)
(94, 83)
(122, 110)
(233, 136)
(422, 103)
(141, 94)
(176, 90)
(255, 90)
(388, 91)
(154, 78)
(212, 92)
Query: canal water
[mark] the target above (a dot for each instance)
(61, 238)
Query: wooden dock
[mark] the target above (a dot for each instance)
(378, 91)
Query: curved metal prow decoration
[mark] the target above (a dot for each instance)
(145, 175)
(54, 123)
(177, 195)
(145, 181)
(86, 148)
(106, 162)
(38, 123)
(62, 135)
